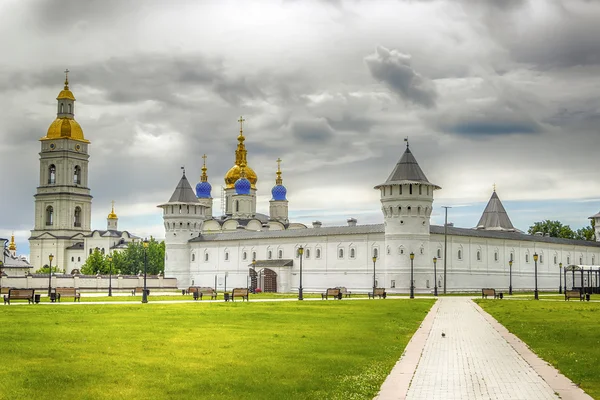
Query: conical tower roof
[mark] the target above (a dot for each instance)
(407, 170)
(495, 217)
(183, 192)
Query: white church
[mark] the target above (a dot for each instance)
(63, 203)
(246, 249)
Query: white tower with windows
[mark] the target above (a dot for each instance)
(63, 202)
(406, 203)
(183, 216)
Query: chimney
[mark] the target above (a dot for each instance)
(317, 224)
(351, 221)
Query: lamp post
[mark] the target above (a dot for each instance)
(110, 277)
(225, 287)
(434, 277)
(510, 276)
(3, 260)
(535, 292)
(412, 287)
(300, 252)
(50, 257)
(560, 278)
(145, 293)
(253, 269)
(445, 243)
(374, 285)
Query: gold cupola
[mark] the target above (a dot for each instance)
(65, 126)
(111, 214)
(240, 159)
(12, 246)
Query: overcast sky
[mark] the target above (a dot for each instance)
(503, 92)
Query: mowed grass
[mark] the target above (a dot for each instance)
(277, 350)
(565, 334)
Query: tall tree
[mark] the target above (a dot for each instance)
(553, 228)
(587, 232)
(96, 262)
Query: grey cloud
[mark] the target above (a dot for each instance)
(393, 69)
(316, 131)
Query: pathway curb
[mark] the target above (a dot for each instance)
(562, 385)
(395, 386)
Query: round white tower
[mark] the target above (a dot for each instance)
(406, 203)
(183, 216)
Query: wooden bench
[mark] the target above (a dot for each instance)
(334, 292)
(20, 294)
(4, 290)
(239, 292)
(378, 292)
(489, 292)
(200, 292)
(140, 290)
(573, 294)
(344, 291)
(68, 292)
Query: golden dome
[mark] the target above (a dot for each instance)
(234, 174)
(65, 128)
(66, 94)
(112, 214)
(12, 246)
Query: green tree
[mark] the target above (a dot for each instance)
(45, 268)
(587, 232)
(131, 260)
(554, 228)
(96, 262)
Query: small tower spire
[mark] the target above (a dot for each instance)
(494, 188)
(278, 180)
(204, 177)
(12, 246)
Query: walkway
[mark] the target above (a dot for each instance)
(473, 360)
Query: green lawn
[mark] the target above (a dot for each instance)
(276, 350)
(565, 334)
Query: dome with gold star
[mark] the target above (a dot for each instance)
(235, 172)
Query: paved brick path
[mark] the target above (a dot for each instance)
(473, 361)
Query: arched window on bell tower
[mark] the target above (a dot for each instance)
(77, 219)
(49, 215)
(77, 175)
(52, 174)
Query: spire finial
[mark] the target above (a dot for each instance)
(278, 181)
(494, 188)
(204, 177)
(12, 245)
(406, 140)
(67, 79)
(241, 121)
(183, 169)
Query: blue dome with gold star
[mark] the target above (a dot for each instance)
(242, 186)
(279, 192)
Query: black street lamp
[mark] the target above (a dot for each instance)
(434, 277)
(374, 285)
(412, 287)
(3, 260)
(560, 278)
(510, 276)
(225, 287)
(254, 275)
(535, 292)
(145, 293)
(110, 277)
(50, 257)
(300, 252)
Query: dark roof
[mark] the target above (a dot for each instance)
(76, 246)
(507, 235)
(183, 192)
(494, 216)
(407, 170)
(272, 263)
(379, 229)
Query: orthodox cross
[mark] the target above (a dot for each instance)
(241, 121)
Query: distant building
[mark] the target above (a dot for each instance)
(203, 249)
